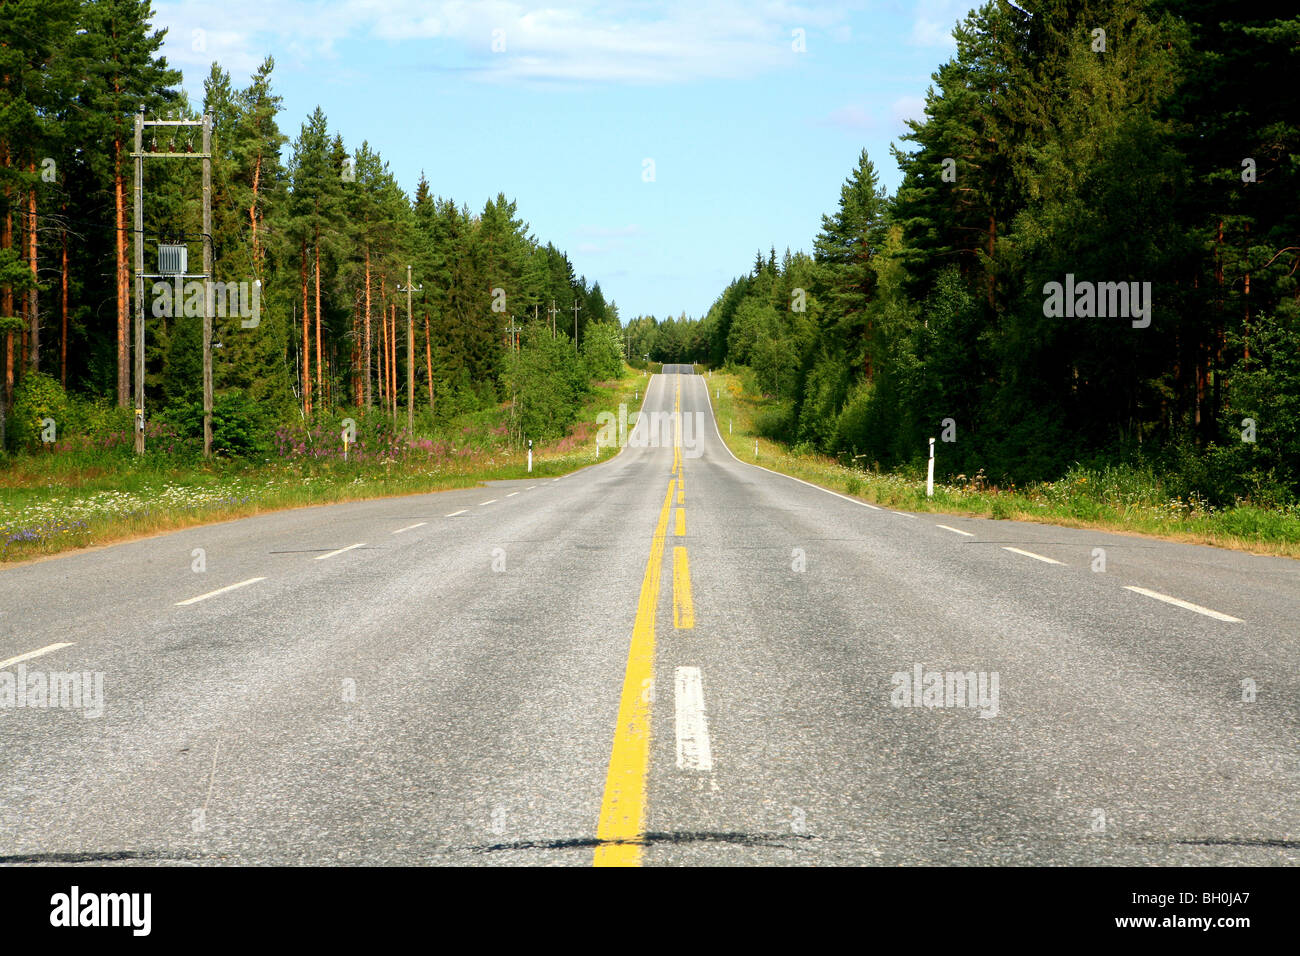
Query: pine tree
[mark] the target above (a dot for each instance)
(123, 74)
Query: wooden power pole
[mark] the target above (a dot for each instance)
(410, 355)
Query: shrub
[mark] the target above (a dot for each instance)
(38, 397)
(602, 351)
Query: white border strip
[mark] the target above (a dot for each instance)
(769, 470)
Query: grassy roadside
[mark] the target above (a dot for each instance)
(1110, 500)
(60, 503)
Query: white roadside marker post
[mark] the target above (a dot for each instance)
(530, 456)
(929, 473)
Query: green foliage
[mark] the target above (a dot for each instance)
(602, 350)
(241, 428)
(327, 231)
(38, 397)
(546, 383)
(1039, 157)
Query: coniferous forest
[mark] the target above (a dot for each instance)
(1161, 150)
(1138, 157)
(319, 228)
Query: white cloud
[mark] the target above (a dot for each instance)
(852, 118)
(934, 20)
(602, 239)
(608, 231)
(584, 40)
(906, 108)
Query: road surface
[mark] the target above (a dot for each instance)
(671, 658)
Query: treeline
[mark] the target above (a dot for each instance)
(1081, 144)
(321, 232)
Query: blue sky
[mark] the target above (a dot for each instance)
(750, 138)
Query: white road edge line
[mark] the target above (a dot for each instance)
(770, 471)
(954, 530)
(228, 587)
(48, 648)
(1036, 557)
(322, 557)
(460, 512)
(693, 750)
(418, 524)
(1188, 605)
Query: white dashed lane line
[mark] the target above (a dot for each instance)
(954, 530)
(488, 502)
(904, 514)
(693, 749)
(512, 494)
(418, 524)
(322, 557)
(48, 648)
(1036, 557)
(455, 513)
(228, 587)
(1217, 615)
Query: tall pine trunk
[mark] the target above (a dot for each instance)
(252, 217)
(34, 316)
(428, 358)
(318, 362)
(383, 347)
(7, 304)
(306, 331)
(356, 349)
(63, 347)
(123, 329)
(367, 359)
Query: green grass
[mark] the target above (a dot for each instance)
(1121, 499)
(55, 502)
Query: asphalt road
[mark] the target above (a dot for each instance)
(671, 658)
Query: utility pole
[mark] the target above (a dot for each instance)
(576, 307)
(138, 223)
(207, 285)
(138, 228)
(513, 331)
(552, 310)
(410, 355)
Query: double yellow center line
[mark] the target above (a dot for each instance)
(621, 828)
